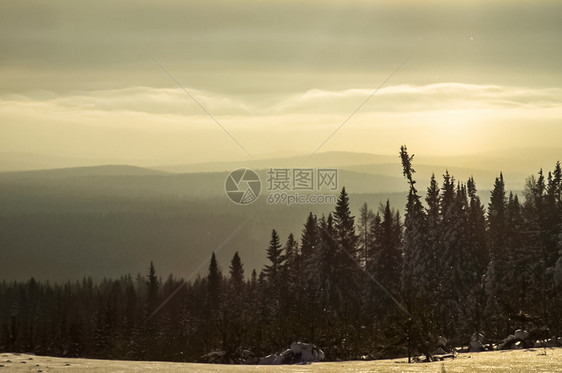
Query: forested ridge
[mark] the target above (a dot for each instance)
(376, 284)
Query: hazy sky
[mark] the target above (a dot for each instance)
(77, 79)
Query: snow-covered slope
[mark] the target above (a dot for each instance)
(530, 360)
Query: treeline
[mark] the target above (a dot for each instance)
(378, 285)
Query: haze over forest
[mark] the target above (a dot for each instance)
(103, 221)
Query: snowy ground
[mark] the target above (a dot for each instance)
(530, 360)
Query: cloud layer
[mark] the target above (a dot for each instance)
(166, 124)
(76, 78)
(399, 98)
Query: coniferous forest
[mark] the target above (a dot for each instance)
(378, 284)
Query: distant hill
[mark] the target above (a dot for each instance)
(142, 181)
(516, 164)
(107, 220)
(101, 170)
(327, 159)
(29, 161)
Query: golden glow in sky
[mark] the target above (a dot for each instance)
(77, 78)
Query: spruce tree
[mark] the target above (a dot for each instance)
(415, 237)
(276, 258)
(497, 318)
(235, 327)
(477, 229)
(236, 272)
(371, 293)
(387, 257)
(518, 270)
(430, 258)
(214, 280)
(375, 233)
(291, 295)
(152, 318)
(309, 237)
(552, 216)
(365, 239)
(346, 255)
(344, 225)
(473, 313)
(452, 254)
(214, 325)
(497, 221)
(417, 331)
(292, 266)
(324, 271)
(308, 279)
(152, 287)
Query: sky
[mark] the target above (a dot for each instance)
(82, 78)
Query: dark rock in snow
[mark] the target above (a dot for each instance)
(476, 346)
(299, 352)
(240, 356)
(267, 360)
(519, 339)
(521, 334)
